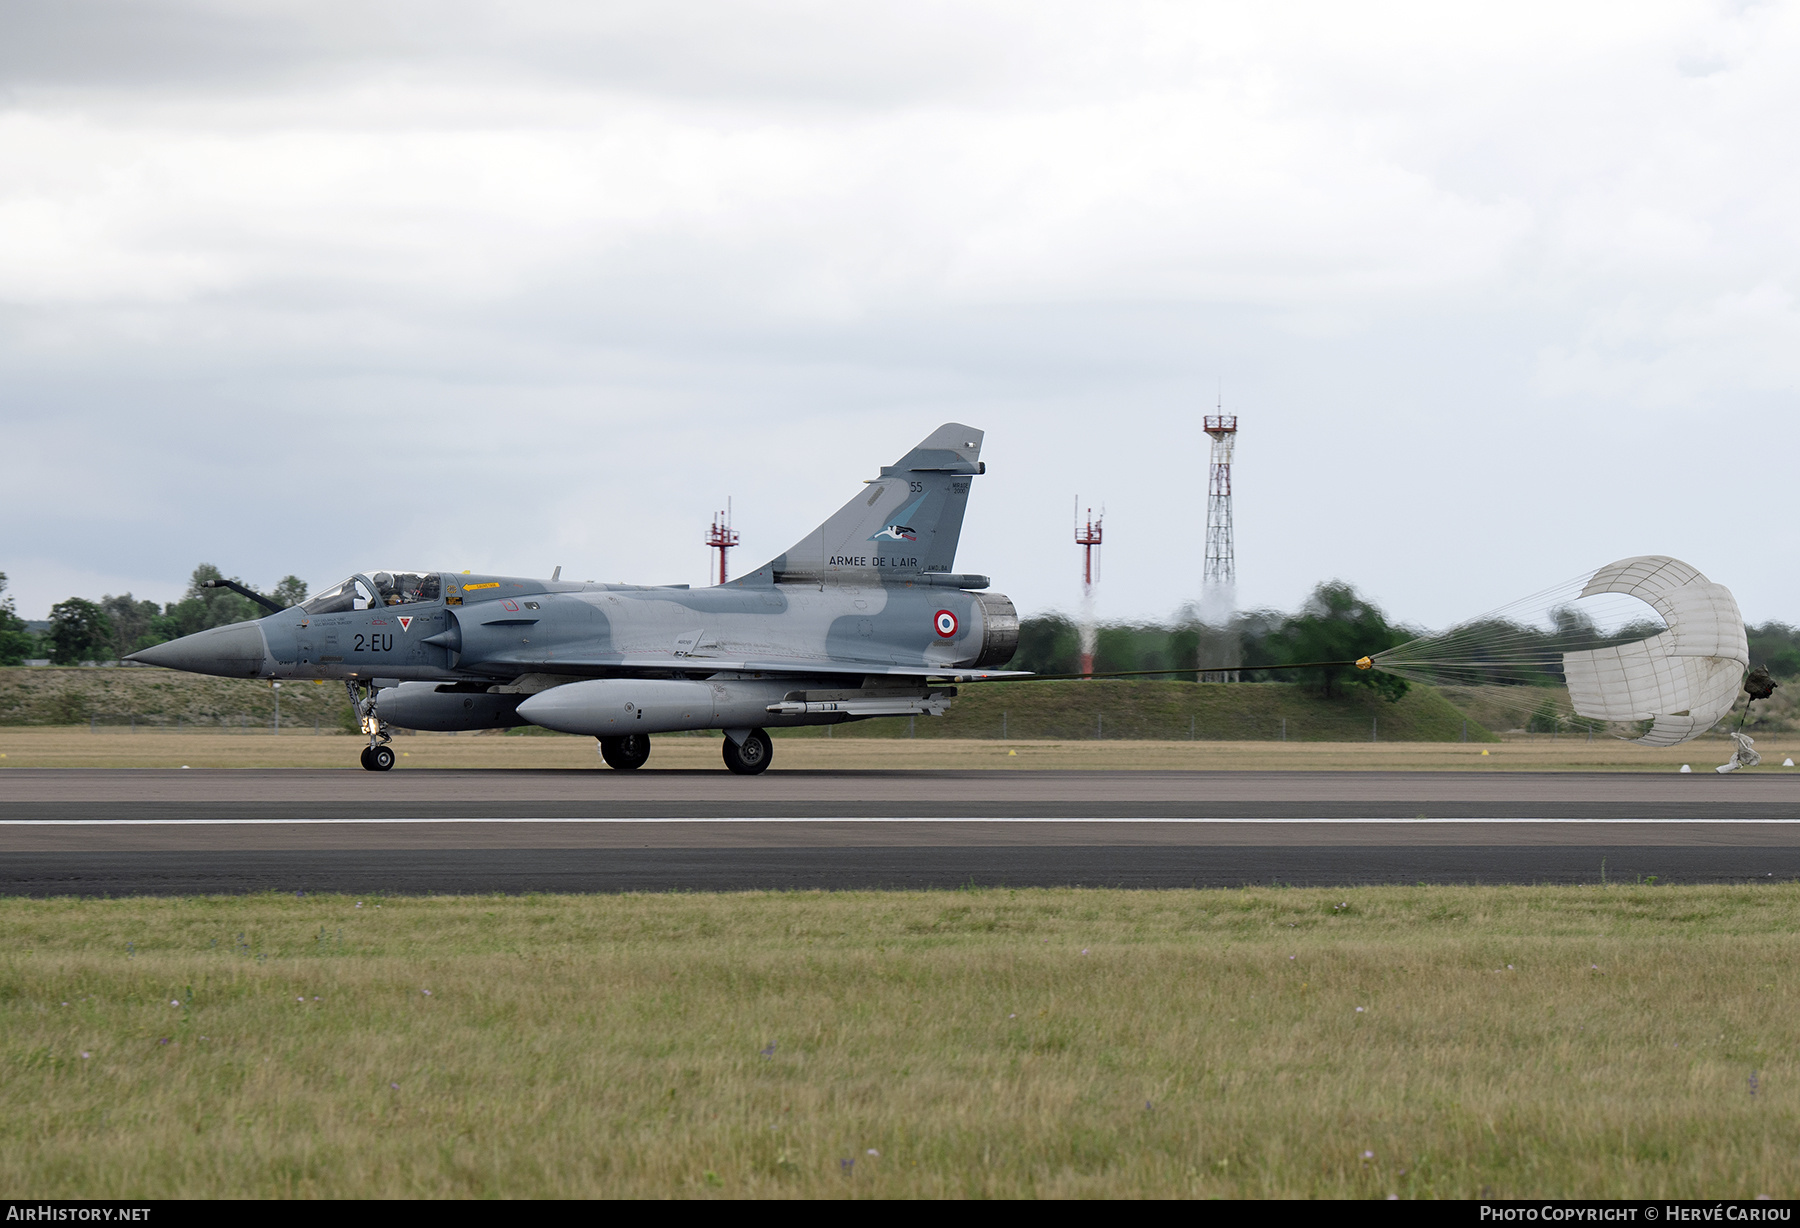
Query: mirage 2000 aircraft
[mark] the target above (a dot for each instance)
(863, 617)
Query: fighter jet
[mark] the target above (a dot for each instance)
(863, 617)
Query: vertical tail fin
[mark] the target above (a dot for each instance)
(906, 523)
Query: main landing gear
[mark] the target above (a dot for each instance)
(752, 756)
(626, 753)
(377, 756)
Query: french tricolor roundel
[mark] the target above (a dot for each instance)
(946, 624)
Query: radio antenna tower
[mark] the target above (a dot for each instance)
(1218, 583)
(1087, 536)
(722, 537)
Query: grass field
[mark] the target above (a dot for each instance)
(58, 695)
(38, 746)
(1160, 710)
(1037, 711)
(1633, 1041)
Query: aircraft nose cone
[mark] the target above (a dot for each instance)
(236, 651)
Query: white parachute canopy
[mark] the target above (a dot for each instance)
(1685, 679)
(1642, 639)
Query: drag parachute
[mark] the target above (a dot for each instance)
(1646, 639)
(1685, 679)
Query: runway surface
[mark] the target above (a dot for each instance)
(141, 831)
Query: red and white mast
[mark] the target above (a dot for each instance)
(722, 537)
(1087, 535)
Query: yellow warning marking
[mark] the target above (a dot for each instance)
(488, 584)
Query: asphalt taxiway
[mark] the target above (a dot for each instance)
(143, 831)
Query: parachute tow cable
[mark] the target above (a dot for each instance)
(1364, 663)
(1759, 685)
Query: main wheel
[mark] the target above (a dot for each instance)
(381, 758)
(752, 757)
(626, 753)
(367, 766)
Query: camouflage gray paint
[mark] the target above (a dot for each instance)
(861, 617)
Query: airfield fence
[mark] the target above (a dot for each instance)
(1051, 711)
(1125, 711)
(1097, 726)
(239, 723)
(1102, 725)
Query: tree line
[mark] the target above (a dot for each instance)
(105, 630)
(1336, 623)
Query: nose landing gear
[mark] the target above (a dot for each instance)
(377, 756)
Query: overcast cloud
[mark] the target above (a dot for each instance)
(1500, 293)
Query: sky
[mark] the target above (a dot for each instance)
(1499, 292)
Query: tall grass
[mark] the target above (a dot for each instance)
(1422, 1042)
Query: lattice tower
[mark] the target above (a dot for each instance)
(1221, 556)
(1218, 582)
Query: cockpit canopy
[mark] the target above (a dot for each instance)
(370, 590)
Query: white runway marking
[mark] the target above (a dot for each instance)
(1275, 822)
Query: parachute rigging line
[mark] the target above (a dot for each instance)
(1646, 641)
(1647, 644)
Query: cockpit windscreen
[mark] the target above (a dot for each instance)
(381, 588)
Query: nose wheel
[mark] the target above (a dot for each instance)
(752, 758)
(377, 756)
